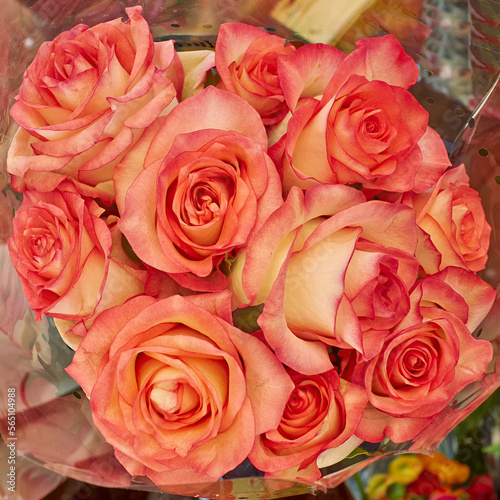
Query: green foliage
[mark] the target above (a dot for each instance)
(494, 449)
(395, 491)
(474, 433)
(246, 319)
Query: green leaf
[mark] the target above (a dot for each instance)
(246, 319)
(494, 449)
(358, 451)
(127, 248)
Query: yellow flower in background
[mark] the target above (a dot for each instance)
(406, 468)
(377, 486)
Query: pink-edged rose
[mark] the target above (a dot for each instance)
(302, 434)
(177, 390)
(125, 278)
(85, 100)
(204, 184)
(455, 230)
(61, 249)
(363, 126)
(246, 60)
(331, 269)
(427, 359)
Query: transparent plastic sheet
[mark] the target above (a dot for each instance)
(53, 426)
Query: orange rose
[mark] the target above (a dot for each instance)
(177, 389)
(246, 59)
(455, 230)
(331, 269)
(85, 100)
(204, 184)
(61, 250)
(428, 358)
(292, 449)
(363, 126)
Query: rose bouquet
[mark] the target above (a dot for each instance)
(274, 274)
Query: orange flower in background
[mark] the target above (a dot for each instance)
(432, 477)
(448, 471)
